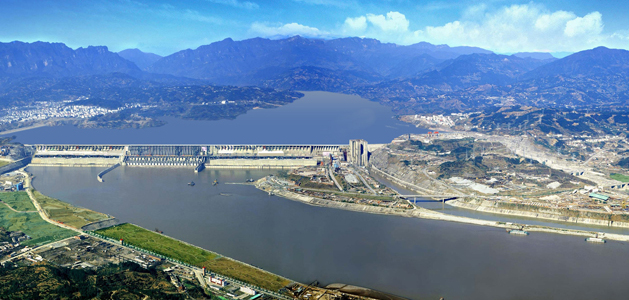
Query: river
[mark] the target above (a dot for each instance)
(414, 258)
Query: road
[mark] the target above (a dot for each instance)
(17, 211)
(363, 180)
(331, 172)
(40, 210)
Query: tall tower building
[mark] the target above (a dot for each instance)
(358, 153)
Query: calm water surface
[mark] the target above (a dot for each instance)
(415, 258)
(317, 118)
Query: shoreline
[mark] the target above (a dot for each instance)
(19, 129)
(423, 213)
(482, 207)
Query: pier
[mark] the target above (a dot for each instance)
(100, 175)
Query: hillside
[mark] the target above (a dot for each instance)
(139, 58)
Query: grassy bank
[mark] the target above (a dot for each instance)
(31, 223)
(17, 200)
(152, 241)
(619, 177)
(67, 213)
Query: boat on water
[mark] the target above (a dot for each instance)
(518, 232)
(191, 183)
(595, 240)
(250, 180)
(215, 182)
(224, 194)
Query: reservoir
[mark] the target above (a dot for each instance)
(317, 118)
(414, 258)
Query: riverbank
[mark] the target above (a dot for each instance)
(492, 207)
(422, 213)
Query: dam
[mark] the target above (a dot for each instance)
(195, 157)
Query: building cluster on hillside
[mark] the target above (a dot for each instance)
(13, 245)
(438, 120)
(44, 110)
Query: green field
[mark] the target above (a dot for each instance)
(4, 163)
(169, 247)
(619, 177)
(17, 200)
(31, 224)
(68, 214)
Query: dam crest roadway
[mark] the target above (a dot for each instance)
(197, 157)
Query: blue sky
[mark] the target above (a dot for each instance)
(164, 27)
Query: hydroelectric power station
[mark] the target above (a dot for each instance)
(196, 157)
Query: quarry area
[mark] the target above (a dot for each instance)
(513, 173)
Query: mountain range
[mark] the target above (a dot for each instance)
(418, 77)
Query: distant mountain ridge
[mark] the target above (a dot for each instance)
(596, 79)
(257, 60)
(58, 60)
(139, 58)
(413, 78)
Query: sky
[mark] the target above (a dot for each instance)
(164, 27)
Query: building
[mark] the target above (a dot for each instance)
(247, 290)
(599, 197)
(358, 152)
(218, 281)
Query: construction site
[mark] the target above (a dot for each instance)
(509, 173)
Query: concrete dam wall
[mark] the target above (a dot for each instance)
(85, 161)
(259, 163)
(195, 157)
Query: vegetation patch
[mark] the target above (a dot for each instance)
(169, 247)
(158, 243)
(619, 177)
(18, 201)
(31, 224)
(305, 182)
(246, 273)
(66, 213)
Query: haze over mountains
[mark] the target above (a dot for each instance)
(410, 78)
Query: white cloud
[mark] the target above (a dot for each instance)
(393, 21)
(515, 28)
(237, 4)
(590, 24)
(512, 28)
(355, 24)
(289, 29)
